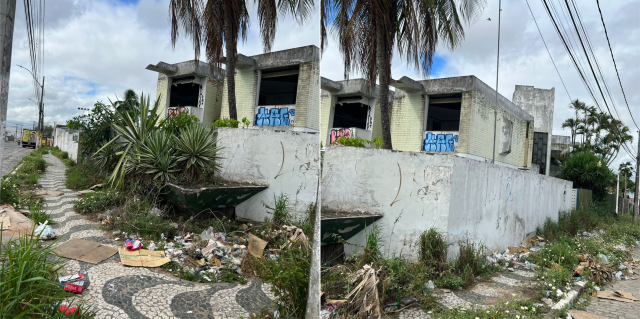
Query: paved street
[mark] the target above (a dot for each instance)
(116, 291)
(13, 153)
(615, 309)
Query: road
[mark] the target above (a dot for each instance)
(13, 153)
(615, 309)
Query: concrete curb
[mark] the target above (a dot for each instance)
(571, 296)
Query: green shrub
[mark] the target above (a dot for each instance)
(280, 210)
(175, 124)
(225, 123)
(371, 254)
(29, 281)
(97, 202)
(153, 157)
(433, 249)
(290, 279)
(586, 170)
(197, 153)
(64, 155)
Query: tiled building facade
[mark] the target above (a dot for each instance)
(277, 89)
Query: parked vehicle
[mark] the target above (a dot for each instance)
(29, 138)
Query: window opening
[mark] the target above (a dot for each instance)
(444, 112)
(278, 87)
(349, 115)
(184, 92)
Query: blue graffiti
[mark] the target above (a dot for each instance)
(274, 117)
(440, 142)
(509, 197)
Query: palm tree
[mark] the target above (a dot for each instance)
(572, 124)
(367, 32)
(130, 102)
(577, 106)
(215, 24)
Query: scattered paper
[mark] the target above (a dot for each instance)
(578, 314)
(143, 258)
(256, 246)
(85, 250)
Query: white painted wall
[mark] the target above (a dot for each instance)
(499, 205)
(410, 189)
(461, 197)
(63, 139)
(287, 161)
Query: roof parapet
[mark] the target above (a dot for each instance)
(408, 85)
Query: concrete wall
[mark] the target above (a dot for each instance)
(327, 102)
(288, 162)
(459, 196)
(410, 189)
(540, 104)
(499, 205)
(63, 139)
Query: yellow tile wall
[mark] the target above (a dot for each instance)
(325, 110)
(307, 100)
(407, 123)
(212, 102)
(480, 125)
(246, 85)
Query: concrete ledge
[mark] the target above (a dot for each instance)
(565, 302)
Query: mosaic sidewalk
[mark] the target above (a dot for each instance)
(117, 291)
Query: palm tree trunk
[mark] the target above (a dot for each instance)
(383, 79)
(230, 72)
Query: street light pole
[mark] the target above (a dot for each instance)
(495, 111)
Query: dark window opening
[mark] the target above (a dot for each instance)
(444, 112)
(278, 90)
(350, 115)
(184, 94)
(539, 154)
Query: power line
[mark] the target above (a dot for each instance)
(614, 64)
(578, 66)
(545, 45)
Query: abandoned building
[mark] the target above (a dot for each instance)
(276, 89)
(539, 103)
(349, 108)
(442, 115)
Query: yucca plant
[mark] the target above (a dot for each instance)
(130, 131)
(154, 157)
(197, 152)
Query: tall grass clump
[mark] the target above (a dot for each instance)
(433, 249)
(29, 282)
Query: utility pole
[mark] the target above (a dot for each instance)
(635, 196)
(7, 19)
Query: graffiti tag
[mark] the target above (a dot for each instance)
(176, 111)
(445, 142)
(275, 116)
(337, 133)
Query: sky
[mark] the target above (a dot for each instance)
(525, 61)
(95, 50)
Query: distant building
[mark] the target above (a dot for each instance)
(540, 104)
(277, 89)
(560, 145)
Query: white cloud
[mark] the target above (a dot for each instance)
(525, 61)
(95, 50)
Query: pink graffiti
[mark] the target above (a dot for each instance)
(176, 112)
(338, 133)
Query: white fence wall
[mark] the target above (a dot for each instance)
(460, 197)
(63, 138)
(500, 205)
(287, 161)
(410, 189)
